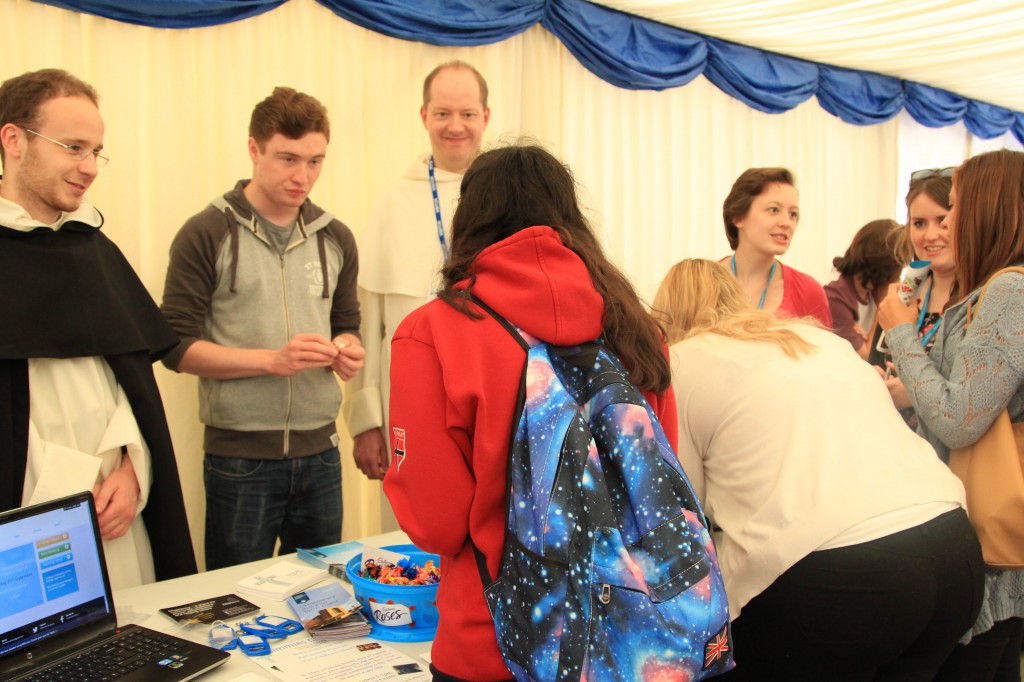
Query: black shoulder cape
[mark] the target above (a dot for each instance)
(71, 293)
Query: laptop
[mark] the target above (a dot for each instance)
(57, 609)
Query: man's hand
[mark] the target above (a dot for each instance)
(302, 352)
(371, 454)
(350, 358)
(892, 311)
(116, 500)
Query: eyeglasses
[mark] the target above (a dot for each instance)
(932, 173)
(75, 151)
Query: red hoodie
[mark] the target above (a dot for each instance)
(454, 383)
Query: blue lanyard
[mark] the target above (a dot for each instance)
(771, 273)
(437, 207)
(924, 312)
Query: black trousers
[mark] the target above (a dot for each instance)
(889, 609)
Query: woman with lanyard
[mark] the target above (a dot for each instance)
(761, 215)
(925, 237)
(974, 372)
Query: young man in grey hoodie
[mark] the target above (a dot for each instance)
(261, 287)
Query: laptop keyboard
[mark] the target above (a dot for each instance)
(111, 660)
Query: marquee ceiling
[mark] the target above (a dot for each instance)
(974, 48)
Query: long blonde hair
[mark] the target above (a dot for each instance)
(699, 296)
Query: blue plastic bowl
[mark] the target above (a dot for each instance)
(397, 613)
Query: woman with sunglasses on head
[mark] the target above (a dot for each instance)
(974, 372)
(925, 237)
(761, 215)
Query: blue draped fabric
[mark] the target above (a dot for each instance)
(933, 107)
(622, 49)
(987, 120)
(859, 97)
(170, 13)
(441, 22)
(763, 80)
(625, 50)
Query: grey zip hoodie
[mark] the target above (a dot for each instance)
(228, 284)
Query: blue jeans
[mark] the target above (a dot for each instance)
(250, 503)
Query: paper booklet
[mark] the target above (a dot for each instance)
(332, 558)
(329, 612)
(280, 580)
(205, 611)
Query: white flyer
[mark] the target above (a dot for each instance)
(355, 660)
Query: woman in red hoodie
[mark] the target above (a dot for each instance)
(521, 244)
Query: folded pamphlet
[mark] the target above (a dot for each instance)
(280, 580)
(329, 612)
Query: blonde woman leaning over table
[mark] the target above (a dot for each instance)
(845, 548)
(973, 374)
(761, 215)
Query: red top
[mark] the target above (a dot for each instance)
(802, 296)
(454, 384)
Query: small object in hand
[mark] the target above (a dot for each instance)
(341, 345)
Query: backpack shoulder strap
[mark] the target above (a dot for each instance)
(509, 327)
(481, 560)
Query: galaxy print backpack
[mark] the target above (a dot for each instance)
(608, 570)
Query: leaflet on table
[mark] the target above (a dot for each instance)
(332, 558)
(353, 660)
(329, 611)
(280, 581)
(224, 607)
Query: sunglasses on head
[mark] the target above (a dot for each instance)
(933, 173)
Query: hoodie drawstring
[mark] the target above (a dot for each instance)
(233, 231)
(322, 248)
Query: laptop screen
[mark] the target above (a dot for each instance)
(52, 574)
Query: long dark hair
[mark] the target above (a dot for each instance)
(515, 187)
(988, 229)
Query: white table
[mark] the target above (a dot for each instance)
(141, 605)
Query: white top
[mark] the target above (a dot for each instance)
(400, 260)
(795, 455)
(399, 251)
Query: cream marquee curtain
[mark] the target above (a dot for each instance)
(654, 166)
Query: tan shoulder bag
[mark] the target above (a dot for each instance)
(992, 471)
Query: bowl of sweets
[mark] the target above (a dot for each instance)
(398, 595)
